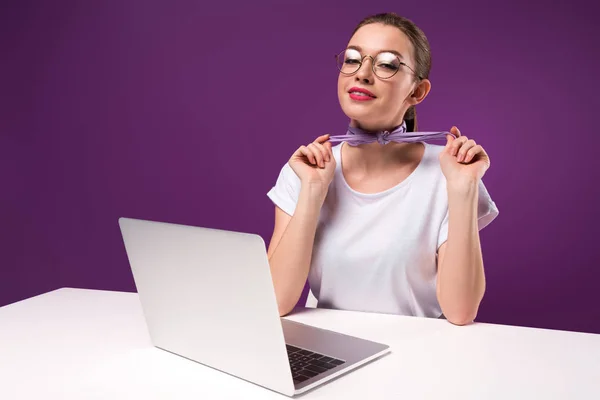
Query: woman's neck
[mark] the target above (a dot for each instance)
(377, 127)
(375, 157)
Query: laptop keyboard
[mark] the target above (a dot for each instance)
(307, 364)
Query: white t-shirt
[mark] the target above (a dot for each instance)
(378, 252)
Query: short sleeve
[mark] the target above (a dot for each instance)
(487, 211)
(286, 190)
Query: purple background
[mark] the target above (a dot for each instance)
(185, 112)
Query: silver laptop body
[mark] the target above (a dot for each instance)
(207, 295)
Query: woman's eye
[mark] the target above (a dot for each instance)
(388, 66)
(350, 61)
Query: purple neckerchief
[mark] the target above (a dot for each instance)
(356, 136)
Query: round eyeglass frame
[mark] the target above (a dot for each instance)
(341, 53)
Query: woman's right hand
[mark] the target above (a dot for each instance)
(314, 164)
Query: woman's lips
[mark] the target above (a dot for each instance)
(360, 96)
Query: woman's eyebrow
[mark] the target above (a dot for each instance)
(354, 47)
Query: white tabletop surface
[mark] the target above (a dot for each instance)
(92, 344)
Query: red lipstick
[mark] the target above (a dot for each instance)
(364, 95)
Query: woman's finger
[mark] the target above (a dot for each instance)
(456, 131)
(457, 144)
(464, 148)
(322, 138)
(305, 151)
(323, 151)
(473, 151)
(328, 146)
(317, 153)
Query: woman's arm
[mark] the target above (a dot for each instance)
(291, 247)
(461, 278)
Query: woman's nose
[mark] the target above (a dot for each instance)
(365, 72)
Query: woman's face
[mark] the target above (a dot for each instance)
(390, 97)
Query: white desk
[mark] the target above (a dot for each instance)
(89, 344)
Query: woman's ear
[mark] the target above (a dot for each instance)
(420, 92)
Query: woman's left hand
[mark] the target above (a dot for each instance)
(462, 159)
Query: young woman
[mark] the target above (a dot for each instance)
(378, 226)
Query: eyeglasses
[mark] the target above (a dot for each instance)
(384, 65)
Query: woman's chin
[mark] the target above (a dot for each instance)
(358, 115)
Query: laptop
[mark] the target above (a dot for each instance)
(207, 295)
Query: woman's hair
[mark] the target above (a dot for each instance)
(422, 52)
